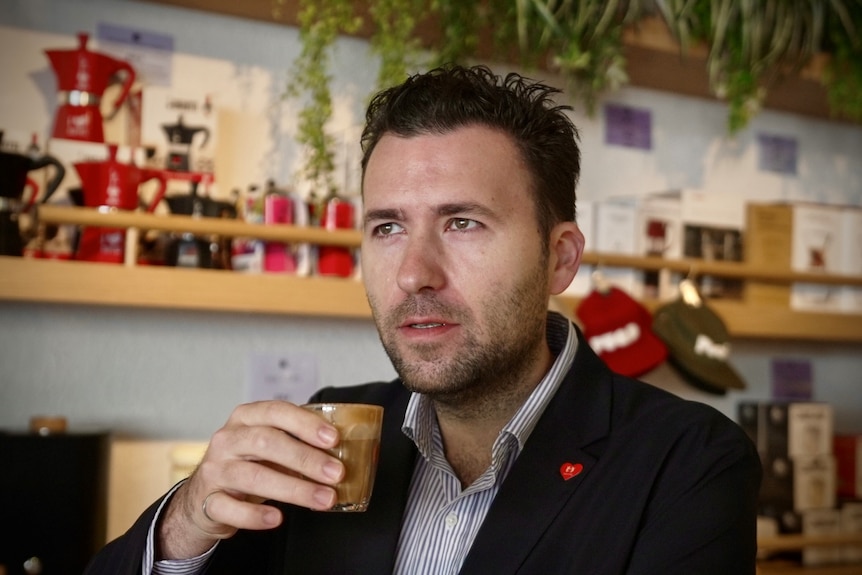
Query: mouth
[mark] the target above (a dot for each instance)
(425, 325)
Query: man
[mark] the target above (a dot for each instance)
(508, 446)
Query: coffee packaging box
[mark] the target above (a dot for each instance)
(787, 428)
(799, 483)
(848, 460)
(180, 128)
(799, 237)
(851, 258)
(672, 224)
(851, 523)
(615, 232)
(660, 234)
(813, 482)
(821, 522)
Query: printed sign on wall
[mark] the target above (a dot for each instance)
(628, 126)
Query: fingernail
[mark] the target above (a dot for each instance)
(324, 497)
(328, 434)
(332, 469)
(272, 517)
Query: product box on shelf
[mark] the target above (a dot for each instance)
(851, 523)
(682, 223)
(660, 234)
(179, 128)
(786, 428)
(615, 232)
(851, 258)
(848, 458)
(798, 483)
(798, 237)
(818, 523)
(713, 226)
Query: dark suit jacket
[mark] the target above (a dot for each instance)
(667, 487)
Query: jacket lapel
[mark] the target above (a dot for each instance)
(549, 470)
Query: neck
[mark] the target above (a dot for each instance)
(470, 425)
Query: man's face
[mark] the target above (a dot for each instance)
(453, 262)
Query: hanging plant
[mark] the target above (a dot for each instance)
(320, 23)
(582, 40)
(394, 40)
(842, 76)
(752, 45)
(460, 22)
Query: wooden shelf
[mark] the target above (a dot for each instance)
(779, 543)
(797, 542)
(56, 281)
(75, 282)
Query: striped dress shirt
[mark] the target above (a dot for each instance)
(441, 520)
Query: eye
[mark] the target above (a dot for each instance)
(387, 229)
(462, 224)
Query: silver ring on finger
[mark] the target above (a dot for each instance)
(204, 506)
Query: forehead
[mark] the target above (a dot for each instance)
(473, 163)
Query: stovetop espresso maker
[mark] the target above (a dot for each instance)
(82, 78)
(180, 138)
(112, 185)
(14, 170)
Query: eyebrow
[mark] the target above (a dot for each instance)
(449, 209)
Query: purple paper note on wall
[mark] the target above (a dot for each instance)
(627, 126)
(792, 379)
(777, 154)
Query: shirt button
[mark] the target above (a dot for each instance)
(451, 520)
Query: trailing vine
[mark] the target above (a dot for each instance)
(320, 23)
(843, 73)
(394, 41)
(752, 45)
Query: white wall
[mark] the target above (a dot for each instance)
(170, 375)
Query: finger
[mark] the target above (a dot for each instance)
(288, 417)
(272, 446)
(265, 480)
(219, 509)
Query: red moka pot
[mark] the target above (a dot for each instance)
(334, 260)
(112, 185)
(82, 77)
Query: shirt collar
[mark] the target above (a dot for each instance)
(420, 421)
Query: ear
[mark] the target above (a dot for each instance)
(566, 247)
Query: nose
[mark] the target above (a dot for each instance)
(421, 266)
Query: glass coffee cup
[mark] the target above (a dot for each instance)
(359, 426)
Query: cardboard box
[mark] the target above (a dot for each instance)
(614, 232)
(799, 483)
(851, 258)
(180, 127)
(693, 224)
(795, 237)
(788, 429)
(820, 522)
(851, 523)
(848, 461)
(660, 234)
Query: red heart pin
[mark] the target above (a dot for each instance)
(569, 470)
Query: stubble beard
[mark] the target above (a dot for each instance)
(490, 371)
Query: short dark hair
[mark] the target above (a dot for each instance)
(451, 97)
